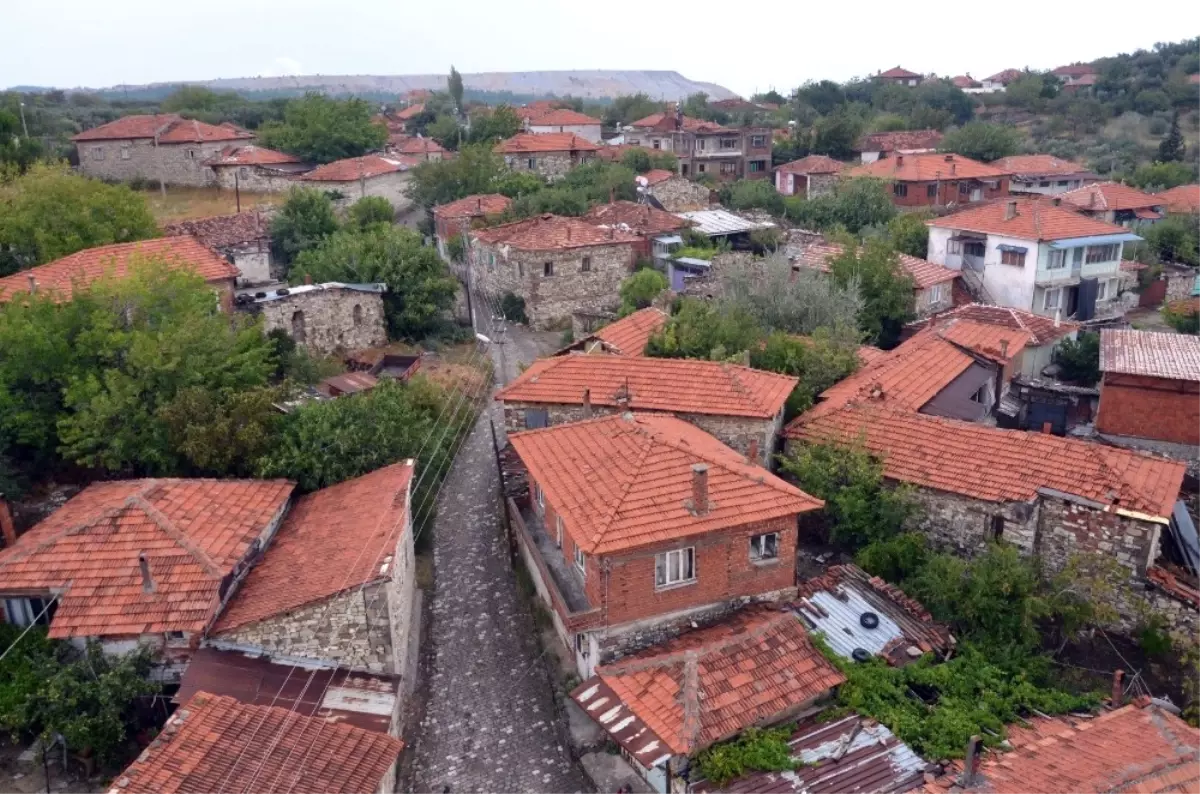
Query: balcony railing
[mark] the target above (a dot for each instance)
(561, 581)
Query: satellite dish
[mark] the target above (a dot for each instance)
(483, 339)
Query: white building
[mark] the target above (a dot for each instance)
(565, 120)
(1034, 256)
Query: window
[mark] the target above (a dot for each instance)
(547, 269)
(981, 395)
(974, 248)
(1102, 253)
(98, 153)
(243, 172)
(175, 636)
(585, 265)
(581, 644)
(1012, 257)
(1076, 257)
(757, 166)
(1057, 260)
(357, 314)
(656, 143)
(900, 190)
(1062, 183)
(558, 530)
(126, 153)
(699, 144)
(539, 498)
(954, 247)
(520, 270)
(758, 141)
(531, 163)
(729, 143)
(997, 527)
(536, 418)
(931, 191)
(1043, 184)
(963, 188)
(1052, 299)
(581, 561)
(675, 567)
(1102, 290)
(728, 168)
(939, 293)
(764, 547)
(700, 168)
(298, 330)
(27, 611)
(191, 153)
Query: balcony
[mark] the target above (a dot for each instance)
(1058, 277)
(556, 579)
(717, 153)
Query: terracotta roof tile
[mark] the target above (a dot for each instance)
(473, 206)
(965, 81)
(1150, 353)
(924, 273)
(215, 743)
(1034, 220)
(625, 481)
(614, 153)
(551, 232)
(341, 537)
(928, 167)
(813, 164)
(997, 465)
(712, 683)
(993, 342)
(365, 167)
(666, 121)
(898, 71)
(88, 265)
(223, 231)
(534, 142)
(1075, 70)
(252, 155)
(410, 112)
(638, 218)
(560, 117)
(902, 140)
(414, 145)
(659, 384)
(1004, 76)
(868, 354)
(169, 127)
(658, 175)
(1041, 330)
(629, 335)
(1110, 196)
(1037, 165)
(1184, 199)
(192, 532)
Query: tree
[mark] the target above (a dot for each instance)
(370, 210)
(836, 135)
(1079, 359)
(48, 213)
(305, 219)
(1162, 175)
(454, 85)
(700, 330)
(16, 148)
(747, 194)
(476, 169)
(445, 130)
(628, 108)
(1173, 239)
(980, 140)
(855, 204)
(908, 234)
(518, 183)
(497, 125)
(223, 432)
(320, 129)
(197, 98)
(824, 96)
(819, 360)
(778, 298)
(886, 289)
(639, 290)
(419, 287)
(1172, 148)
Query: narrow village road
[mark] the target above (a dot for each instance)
(488, 721)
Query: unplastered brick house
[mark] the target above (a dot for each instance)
(370, 175)
(637, 525)
(255, 169)
(936, 180)
(557, 265)
(244, 239)
(164, 147)
(879, 145)
(705, 148)
(456, 218)
(549, 155)
(742, 407)
(1043, 174)
(564, 120)
(1150, 386)
(325, 318)
(812, 176)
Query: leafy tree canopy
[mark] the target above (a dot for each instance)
(321, 129)
(640, 289)
(1079, 359)
(476, 169)
(305, 219)
(886, 289)
(370, 210)
(982, 141)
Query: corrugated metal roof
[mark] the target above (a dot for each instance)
(841, 623)
(715, 223)
(329, 285)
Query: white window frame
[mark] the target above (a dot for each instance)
(580, 561)
(1013, 254)
(758, 141)
(954, 247)
(98, 153)
(684, 563)
(1102, 290)
(539, 498)
(764, 547)
(729, 144)
(1057, 259)
(558, 531)
(1046, 304)
(1102, 253)
(1077, 256)
(126, 153)
(21, 611)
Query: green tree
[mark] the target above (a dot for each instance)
(700, 330)
(476, 169)
(445, 130)
(48, 213)
(779, 298)
(819, 360)
(982, 141)
(628, 108)
(497, 125)
(1162, 176)
(321, 129)
(454, 86)
(16, 148)
(1172, 148)
(855, 204)
(1173, 239)
(1079, 359)
(908, 234)
(747, 194)
(836, 135)
(370, 210)
(223, 432)
(886, 289)
(419, 287)
(197, 98)
(639, 290)
(305, 219)
(518, 183)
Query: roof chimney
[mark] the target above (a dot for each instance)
(970, 763)
(1010, 210)
(1004, 348)
(32, 284)
(587, 403)
(949, 158)
(1048, 428)
(1118, 688)
(1092, 199)
(147, 579)
(700, 489)
(308, 278)
(479, 204)
(953, 168)
(7, 529)
(899, 159)
(752, 451)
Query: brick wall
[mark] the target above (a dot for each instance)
(171, 164)
(328, 319)
(1155, 408)
(551, 300)
(947, 193)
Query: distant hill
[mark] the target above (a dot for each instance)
(589, 84)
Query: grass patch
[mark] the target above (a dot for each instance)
(187, 203)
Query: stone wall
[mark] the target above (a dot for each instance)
(681, 195)
(821, 184)
(551, 300)
(548, 165)
(254, 178)
(328, 320)
(171, 163)
(391, 186)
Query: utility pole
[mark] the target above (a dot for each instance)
(24, 126)
(237, 191)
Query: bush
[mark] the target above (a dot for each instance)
(512, 307)
(1184, 322)
(640, 289)
(303, 222)
(1079, 359)
(756, 749)
(750, 194)
(370, 210)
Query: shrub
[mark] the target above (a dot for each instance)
(512, 307)
(1079, 359)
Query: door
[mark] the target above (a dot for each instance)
(976, 194)
(1085, 295)
(1154, 294)
(1042, 413)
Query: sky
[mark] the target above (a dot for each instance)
(744, 46)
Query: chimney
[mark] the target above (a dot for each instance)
(1048, 428)
(970, 763)
(1004, 348)
(1118, 688)
(568, 232)
(587, 403)
(1092, 199)
(700, 489)
(1010, 210)
(612, 195)
(479, 205)
(752, 451)
(949, 158)
(32, 284)
(147, 579)
(1056, 201)
(899, 159)
(7, 529)
(953, 169)
(308, 278)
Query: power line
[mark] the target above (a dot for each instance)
(32, 623)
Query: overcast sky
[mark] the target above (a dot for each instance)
(745, 45)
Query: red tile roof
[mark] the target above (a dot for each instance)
(928, 167)
(629, 216)
(224, 231)
(341, 537)
(897, 71)
(993, 342)
(1032, 166)
(711, 684)
(84, 267)
(867, 354)
(924, 273)
(473, 207)
(1075, 70)
(997, 465)
(666, 122)
(214, 743)
(965, 81)
(1150, 353)
(192, 533)
(169, 127)
(656, 175)
(1184, 199)
(676, 385)
(813, 164)
(1110, 196)
(615, 153)
(550, 233)
(534, 142)
(629, 335)
(561, 117)
(413, 145)
(902, 140)
(354, 168)
(410, 112)
(625, 481)
(1005, 77)
(1034, 220)
(1041, 330)
(251, 155)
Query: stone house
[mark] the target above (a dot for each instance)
(933, 284)
(624, 337)
(649, 224)
(878, 145)
(61, 276)
(705, 148)
(255, 169)
(935, 180)
(165, 147)
(812, 176)
(556, 265)
(214, 741)
(1043, 174)
(325, 318)
(457, 217)
(636, 526)
(564, 120)
(666, 704)
(1150, 386)
(244, 239)
(423, 149)
(675, 193)
(370, 175)
(1113, 202)
(549, 155)
(336, 587)
(173, 551)
(741, 407)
